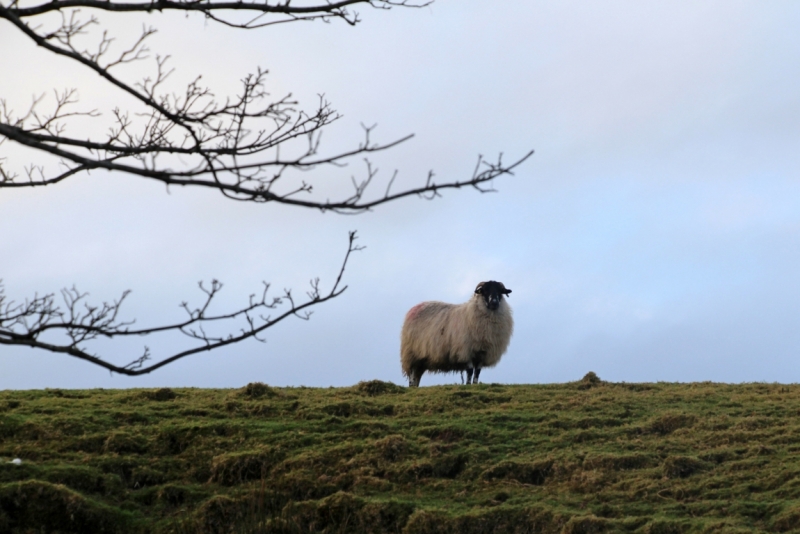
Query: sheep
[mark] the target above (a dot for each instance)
(441, 337)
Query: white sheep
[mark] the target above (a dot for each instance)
(442, 338)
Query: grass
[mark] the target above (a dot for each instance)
(582, 457)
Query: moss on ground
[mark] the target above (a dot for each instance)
(583, 457)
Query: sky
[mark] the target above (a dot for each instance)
(653, 236)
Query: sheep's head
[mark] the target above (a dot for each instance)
(492, 293)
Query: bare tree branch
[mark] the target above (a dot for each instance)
(249, 147)
(295, 12)
(67, 328)
(245, 147)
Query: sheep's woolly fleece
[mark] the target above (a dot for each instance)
(440, 337)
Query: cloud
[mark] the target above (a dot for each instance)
(653, 235)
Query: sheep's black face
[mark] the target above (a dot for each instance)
(492, 293)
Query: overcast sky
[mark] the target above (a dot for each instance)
(654, 235)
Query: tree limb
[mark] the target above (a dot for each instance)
(249, 147)
(75, 323)
(244, 147)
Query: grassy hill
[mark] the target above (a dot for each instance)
(581, 457)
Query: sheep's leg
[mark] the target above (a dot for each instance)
(416, 375)
(469, 375)
(475, 364)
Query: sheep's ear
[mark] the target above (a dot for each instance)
(479, 289)
(507, 292)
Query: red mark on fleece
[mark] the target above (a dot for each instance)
(413, 312)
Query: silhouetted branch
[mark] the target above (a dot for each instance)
(244, 146)
(66, 328)
(249, 147)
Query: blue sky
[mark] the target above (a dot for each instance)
(654, 235)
